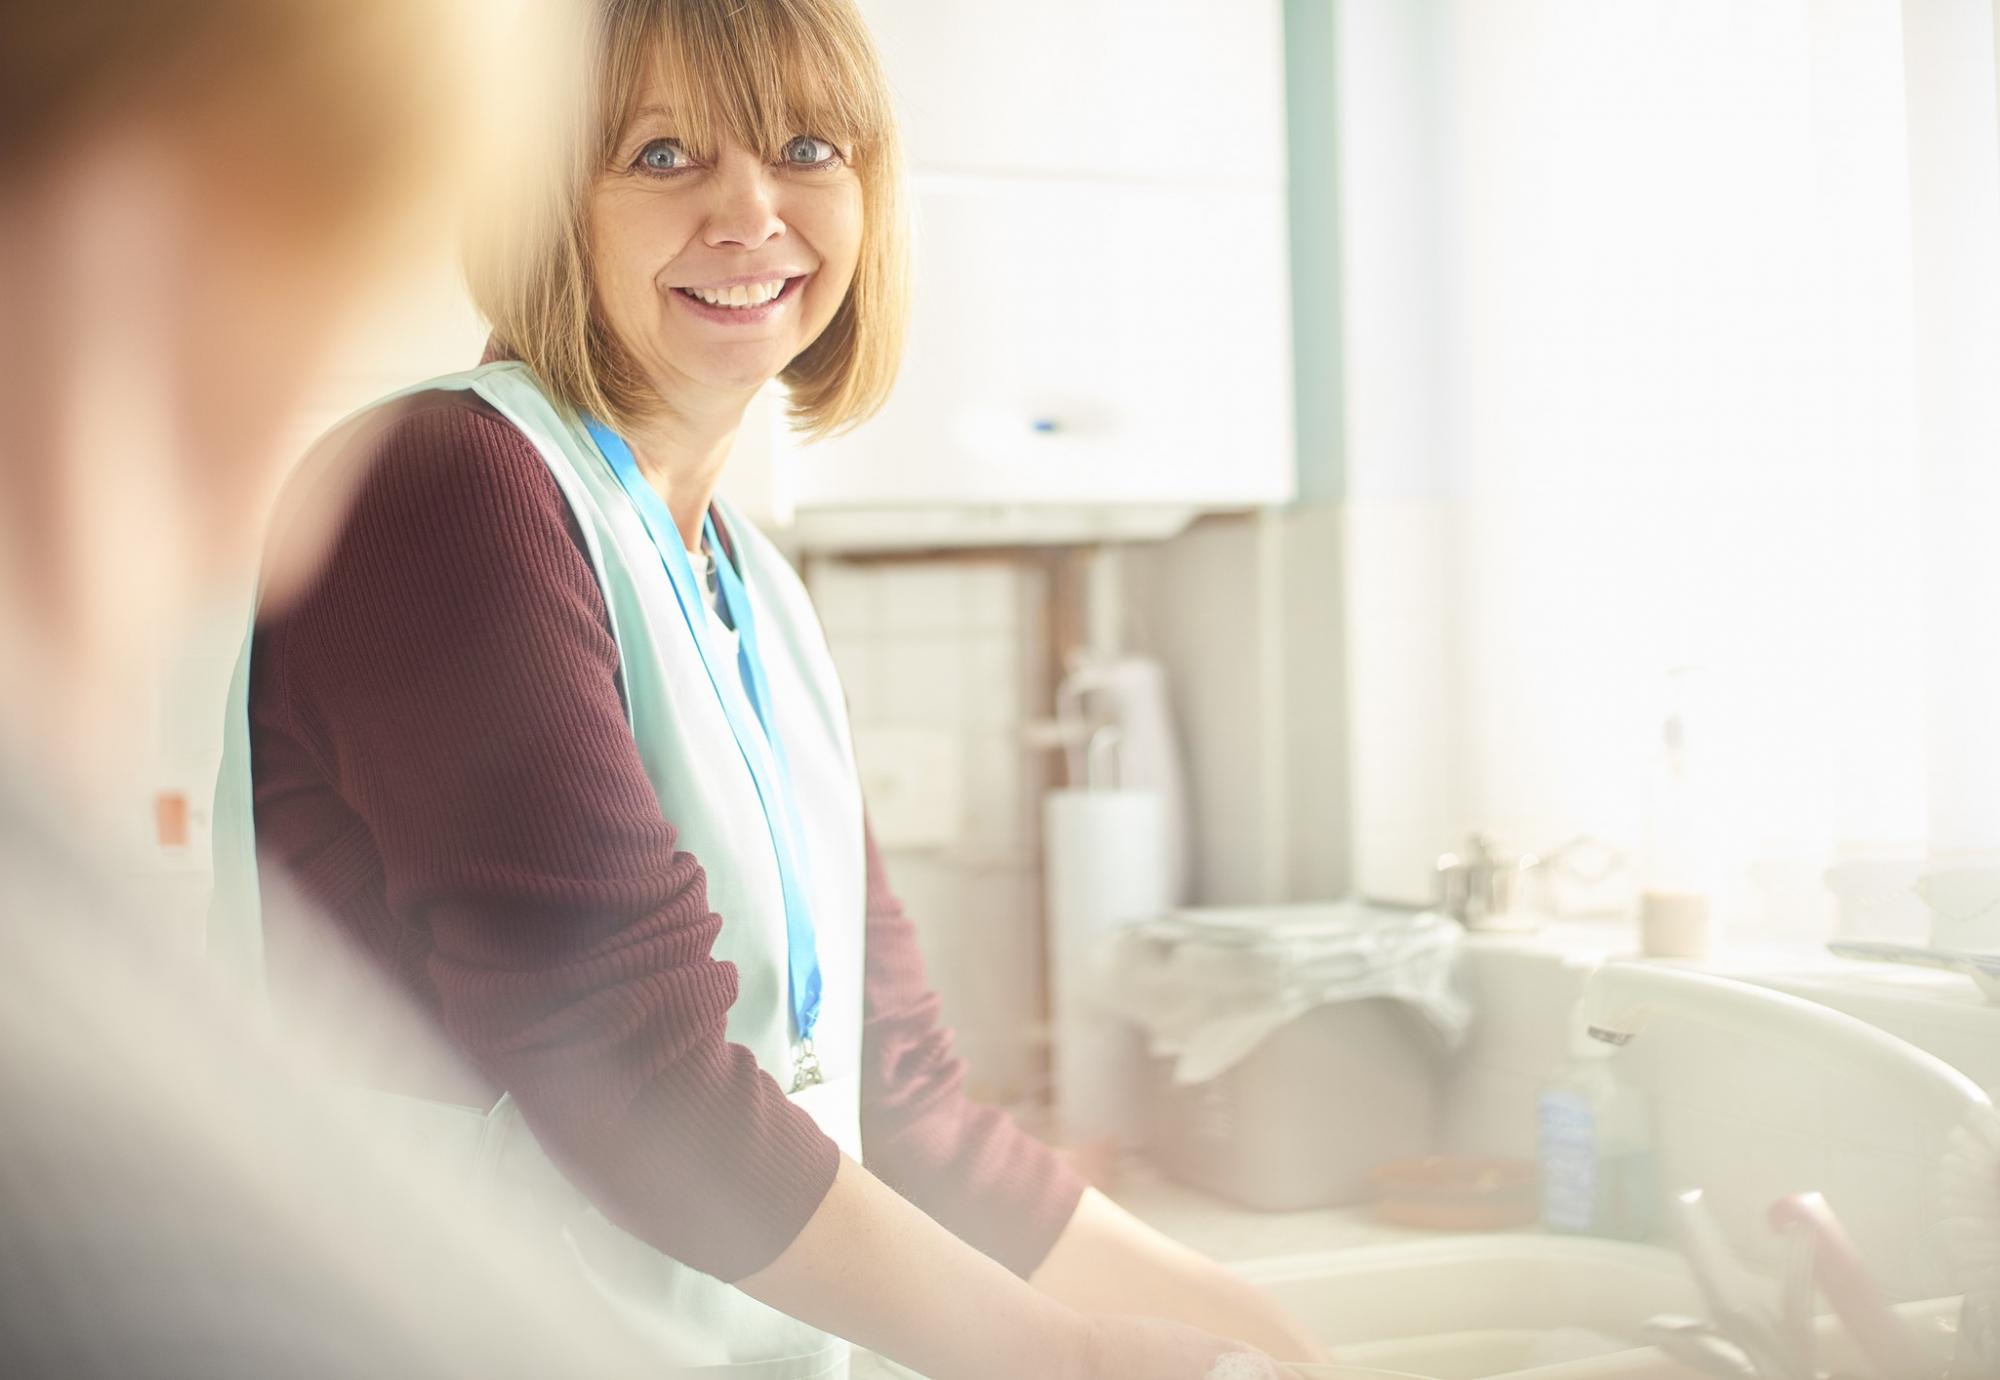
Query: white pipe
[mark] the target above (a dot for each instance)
(1104, 603)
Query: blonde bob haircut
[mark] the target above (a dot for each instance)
(761, 72)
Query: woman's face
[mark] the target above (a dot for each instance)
(667, 231)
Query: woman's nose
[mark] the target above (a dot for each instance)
(744, 210)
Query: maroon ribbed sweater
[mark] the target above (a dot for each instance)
(443, 765)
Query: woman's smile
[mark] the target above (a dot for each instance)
(743, 302)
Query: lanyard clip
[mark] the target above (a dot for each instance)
(805, 1067)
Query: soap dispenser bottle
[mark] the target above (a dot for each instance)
(1596, 1147)
(1676, 896)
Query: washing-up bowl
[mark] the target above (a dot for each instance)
(1466, 1307)
(1523, 1308)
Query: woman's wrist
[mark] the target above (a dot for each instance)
(1106, 1261)
(871, 1267)
(1069, 1341)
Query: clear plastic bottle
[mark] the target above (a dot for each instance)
(1596, 1148)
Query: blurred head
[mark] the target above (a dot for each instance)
(191, 191)
(734, 148)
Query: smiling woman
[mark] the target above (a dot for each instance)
(601, 814)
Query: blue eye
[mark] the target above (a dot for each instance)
(808, 152)
(663, 155)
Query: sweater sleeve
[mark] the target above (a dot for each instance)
(970, 1167)
(454, 672)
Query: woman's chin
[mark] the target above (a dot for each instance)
(733, 371)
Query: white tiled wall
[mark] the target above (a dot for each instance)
(943, 660)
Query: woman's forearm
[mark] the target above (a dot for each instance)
(1108, 1261)
(870, 1267)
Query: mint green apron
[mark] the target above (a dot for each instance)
(697, 1323)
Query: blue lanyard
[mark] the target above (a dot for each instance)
(774, 785)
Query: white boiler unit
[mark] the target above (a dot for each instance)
(1100, 341)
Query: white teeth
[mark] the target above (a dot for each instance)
(742, 295)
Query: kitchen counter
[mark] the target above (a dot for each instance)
(1226, 1232)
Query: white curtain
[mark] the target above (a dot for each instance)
(1668, 371)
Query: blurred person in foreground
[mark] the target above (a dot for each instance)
(188, 193)
(556, 740)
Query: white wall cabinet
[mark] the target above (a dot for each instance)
(1101, 334)
(1174, 90)
(1081, 342)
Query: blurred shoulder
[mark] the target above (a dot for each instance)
(443, 459)
(439, 435)
(435, 485)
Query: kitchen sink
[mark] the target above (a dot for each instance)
(1514, 1307)
(1466, 1307)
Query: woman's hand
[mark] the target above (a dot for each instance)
(1108, 1262)
(1122, 1347)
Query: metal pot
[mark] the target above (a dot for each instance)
(1479, 890)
